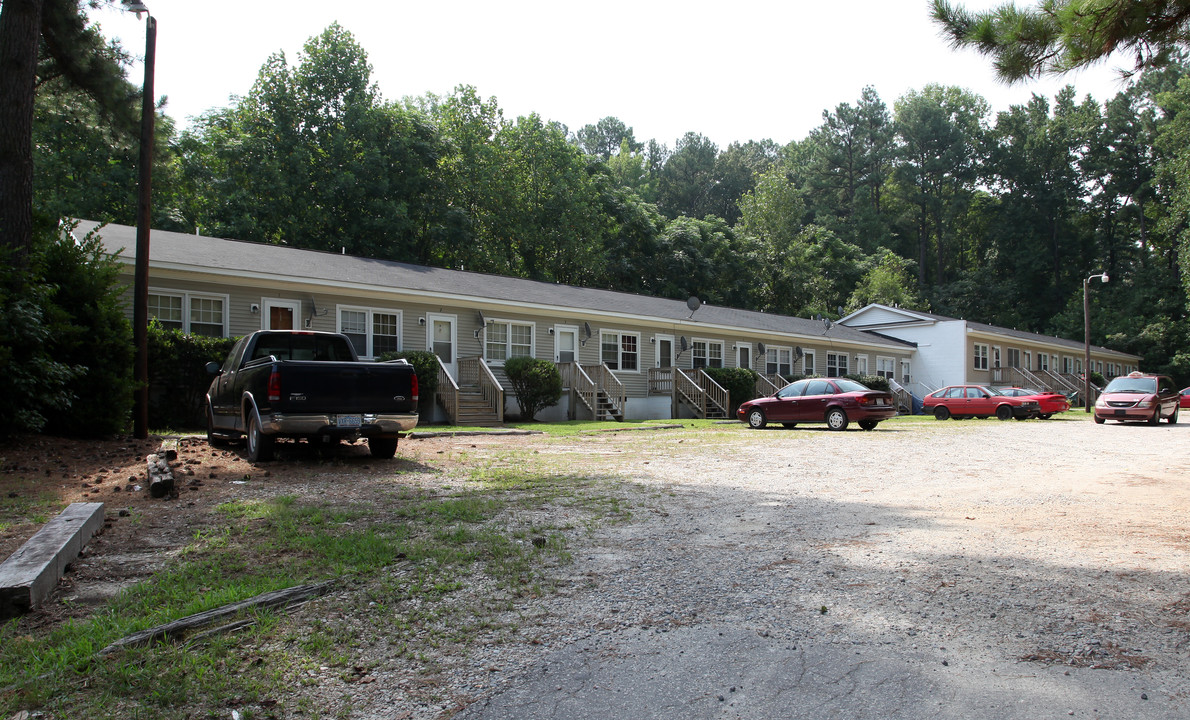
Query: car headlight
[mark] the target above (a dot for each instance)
(1101, 403)
(1145, 404)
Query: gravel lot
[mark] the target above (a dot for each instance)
(928, 569)
(1004, 554)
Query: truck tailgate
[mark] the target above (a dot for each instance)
(345, 387)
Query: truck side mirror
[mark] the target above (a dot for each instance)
(213, 368)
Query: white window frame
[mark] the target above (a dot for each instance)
(620, 352)
(370, 313)
(890, 362)
(707, 344)
(979, 356)
(840, 363)
(740, 349)
(1043, 361)
(996, 357)
(808, 362)
(777, 352)
(508, 344)
(861, 364)
(188, 297)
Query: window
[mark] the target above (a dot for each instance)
(372, 332)
(778, 361)
(808, 363)
(707, 353)
(886, 367)
(504, 340)
(191, 313)
(620, 351)
(861, 364)
(836, 365)
(1014, 358)
(981, 356)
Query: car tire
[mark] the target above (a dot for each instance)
(756, 419)
(1026, 417)
(260, 446)
(1156, 416)
(836, 419)
(1099, 420)
(1045, 416)
(789, 426)
(382, 448)
(941, 413)
(1003, 413)
(868, 424)
(1173, 418)
(212, 439)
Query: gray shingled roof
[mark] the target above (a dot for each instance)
(235, 257)
(1013, 332)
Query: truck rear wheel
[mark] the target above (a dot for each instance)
(383, 448)
(260, 446)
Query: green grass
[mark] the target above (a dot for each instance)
(402, 556)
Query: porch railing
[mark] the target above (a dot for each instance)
(661, 381)
(611, 386)
(448, 391)
(474, 372)
(765, 386)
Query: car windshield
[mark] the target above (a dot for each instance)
(1131, 385)
(846, 385)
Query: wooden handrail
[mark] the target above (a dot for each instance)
(581, 386)
(714, 393)
(661, 381)
(447, 392)
(475, 371)
(764, 386)
(611, 386)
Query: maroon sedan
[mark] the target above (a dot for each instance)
(1049, 402)
(834, 401)
(1184, 401)
(961, 401)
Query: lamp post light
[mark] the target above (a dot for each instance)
(1087, 340)
(140, 280)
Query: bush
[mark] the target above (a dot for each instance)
(537, 384)
(875, 382)
(740, 384)
(178, 379)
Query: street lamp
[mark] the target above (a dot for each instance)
(140, 279)
(1087, 340)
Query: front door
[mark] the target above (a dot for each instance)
(442, 340)
(665, 351)
(743, 355)
(565, 343)
(281, 314)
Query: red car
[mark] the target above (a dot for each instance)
(834, 401)
(981, 401)
(1138, 396)
(1050, 402)
(1184, 402)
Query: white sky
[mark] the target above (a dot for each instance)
(738, 71)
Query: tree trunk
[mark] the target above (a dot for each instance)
(20, 28)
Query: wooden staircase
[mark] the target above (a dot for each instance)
(696, 390)
(476, 399)
(596, 388)
(474, 408)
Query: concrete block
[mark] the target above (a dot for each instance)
(32, 572)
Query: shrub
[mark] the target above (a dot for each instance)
(875, 382)
(178, 379)
(740, 384)
(537, 384)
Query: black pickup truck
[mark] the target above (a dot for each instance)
(290, 383)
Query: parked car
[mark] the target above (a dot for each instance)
(1048, 401)
(981, 401)
(299, 384)
(1184, 402)
(1138, 396)
(834, 401)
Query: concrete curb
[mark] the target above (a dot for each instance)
(32, 572)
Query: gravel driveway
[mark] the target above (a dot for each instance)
(961, 569)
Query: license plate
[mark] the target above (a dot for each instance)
(1121, 412)
(347, 420)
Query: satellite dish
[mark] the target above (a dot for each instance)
(798, 351)
(587, 329)
(828, 323)
(760, 348)
(683, 344)
(818, 317)
(693, 303)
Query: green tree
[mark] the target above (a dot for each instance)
(686, 183)
(1063, 35)
(537, 384)
(607, 138)
(888, 281)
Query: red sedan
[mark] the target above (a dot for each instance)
(960, 401)
(1049, 402)
(834, 401)
(1184, 402)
